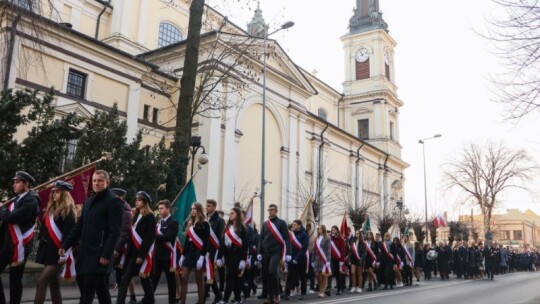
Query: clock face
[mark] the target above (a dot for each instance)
(362, 55)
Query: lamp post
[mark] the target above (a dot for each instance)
(195, 145)
(284, 26)
(423, 141)
(400, 206)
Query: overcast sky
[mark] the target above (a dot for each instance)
(442, 68)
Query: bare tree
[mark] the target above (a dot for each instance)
(482, 173)
(516, 38)
(358, 210)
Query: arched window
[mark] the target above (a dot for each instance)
(168, 34)
(322, 114)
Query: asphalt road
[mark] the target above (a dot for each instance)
(515, 288)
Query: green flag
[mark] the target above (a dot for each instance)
(406, 231)
(367, 226)
(182, 206)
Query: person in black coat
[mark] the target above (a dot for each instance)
(444, 254)
(218, 225)
(140, 250)
(59, 220)
(299, 263)
(491, 254)
(196, 246)
(98, 230)
(371, 263)
(165, 251)
(20, 212)
(234, 253)
(388, 261)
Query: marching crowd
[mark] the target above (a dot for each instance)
(109, 235)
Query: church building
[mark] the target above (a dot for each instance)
(339, 146)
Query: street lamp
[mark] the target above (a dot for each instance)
(284, 26)
(195, 145)
(422, 141)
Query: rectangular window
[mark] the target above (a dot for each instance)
(71, 149)
(517, 235)
(392, 131)
(155, 115)
(76, 84)
(387, 71)
(363, 128)
(362, 70)
(505, 234)
(146, 113)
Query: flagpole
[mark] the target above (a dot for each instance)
(106, 156)
(184, 187)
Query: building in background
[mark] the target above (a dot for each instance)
(515, 228)
(340, 145)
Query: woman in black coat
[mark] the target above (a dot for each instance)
(195, 248)
(58, 220)
(140, 249)
(234, 250)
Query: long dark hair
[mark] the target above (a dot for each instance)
(238, 225)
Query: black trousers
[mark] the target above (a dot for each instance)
(336, 273)
(233, 283)
(159, 267)
(15, 278)
(92, 284)
(389, 274)
(271, 264)
(407, 274)
(296, 272)
(130, 268)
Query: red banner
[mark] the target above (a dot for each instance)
(82, 188)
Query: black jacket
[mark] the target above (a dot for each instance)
(169, 231)
(98, 230)
(268, 244)
(146, 229)
(24, 214)
(47, 252)
(218, 225)
(300, 255)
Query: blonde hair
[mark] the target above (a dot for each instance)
(146, 209)
(63, 207)
(200, 217)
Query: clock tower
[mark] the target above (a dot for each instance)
(371, 105)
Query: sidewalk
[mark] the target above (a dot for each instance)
(71, 291)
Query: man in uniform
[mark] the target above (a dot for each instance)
(218, 225)
(98, 230)
(164, 250)
(274, 251)
(18, 218)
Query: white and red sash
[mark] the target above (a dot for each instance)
(355, 250)
(335, 250)
(372, 255)
(233, 237)
(209, 268)
(277, 235)
(325, 269)
(296, 243)
(170, 248)
(408, 257)
(146, 266)
(385, 249)
(19, 239)
(68, 271)
(197, 241)
(214, 240)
